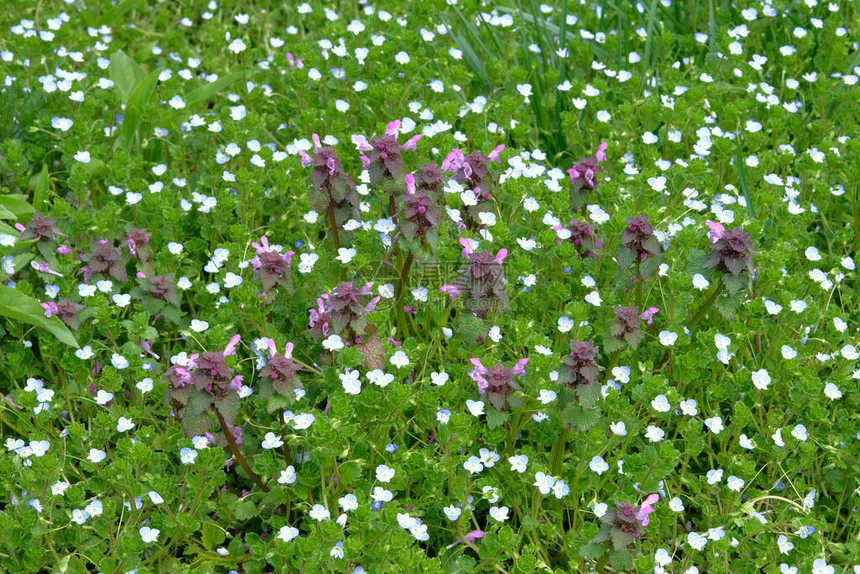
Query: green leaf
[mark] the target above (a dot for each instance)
(197, 404)
(18, 205)
(621, 560)
(205, 92)
(134, 110)
(582, 419)
(16, 305)
(125, 73)
(496, 418)
(41, 184)
(212, 535)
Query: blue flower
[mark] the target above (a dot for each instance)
(299, 243)
(391, 447)
(376, 506)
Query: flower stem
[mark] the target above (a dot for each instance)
(238, 455)
(715, 292)
(403, 275)
(336, 237)
(558, 453)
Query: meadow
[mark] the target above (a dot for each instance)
(439, 286)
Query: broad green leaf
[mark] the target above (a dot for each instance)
(16, 305)
(41, 184)
(134, 110)
(125, 73)
(205, 92)
(18, 205)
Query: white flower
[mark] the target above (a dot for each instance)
(319, 513)
(518, 463)
(668, 338)
(287, 533)
(155, 497)
(499, 514)
(399, 359)
(148, 534)
(145, 385)
(799, 432)
(345, 255)
(849, 352)
(746, 442)
(121, 300)
(783, 544)
(661, 404)
(384, 473)
(96, 455)
(832, 392)
(618, 428)
(475, 407)
(544, 482)
(83, 157)
(547, 396)
(381, 495)
(662, 557)
(761, 379)
(103, 397)
(439, 379)
(124, 424)
(598, 465)
(788, 353)
(777, 438)
(333, 343)
(452, 512)
(714, 424)
(351, 383)
(699, 282)
(721, 341)
(735, 483)
(655, 434)
(198, 325)
(176, 102)
(187, 455)
(288, 476)
(271, 441)
(348, 502)
(676, 505)
(594, 298)
(237, 46)
(473, 465)
(689, 407)
(696, 540)
(303, 421)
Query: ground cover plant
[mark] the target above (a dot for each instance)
(429, 287)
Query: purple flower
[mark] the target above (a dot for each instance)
(732, 252)
(383, 159)
(497, 382)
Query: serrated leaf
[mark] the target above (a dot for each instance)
(496, 418)
(16, 305)
(582, 419)
(373, 349)
(229, 406)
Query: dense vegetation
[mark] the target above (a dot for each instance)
(429, 287)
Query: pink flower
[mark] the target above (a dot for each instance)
(646, 509)
(716, 231)
(648, 314)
